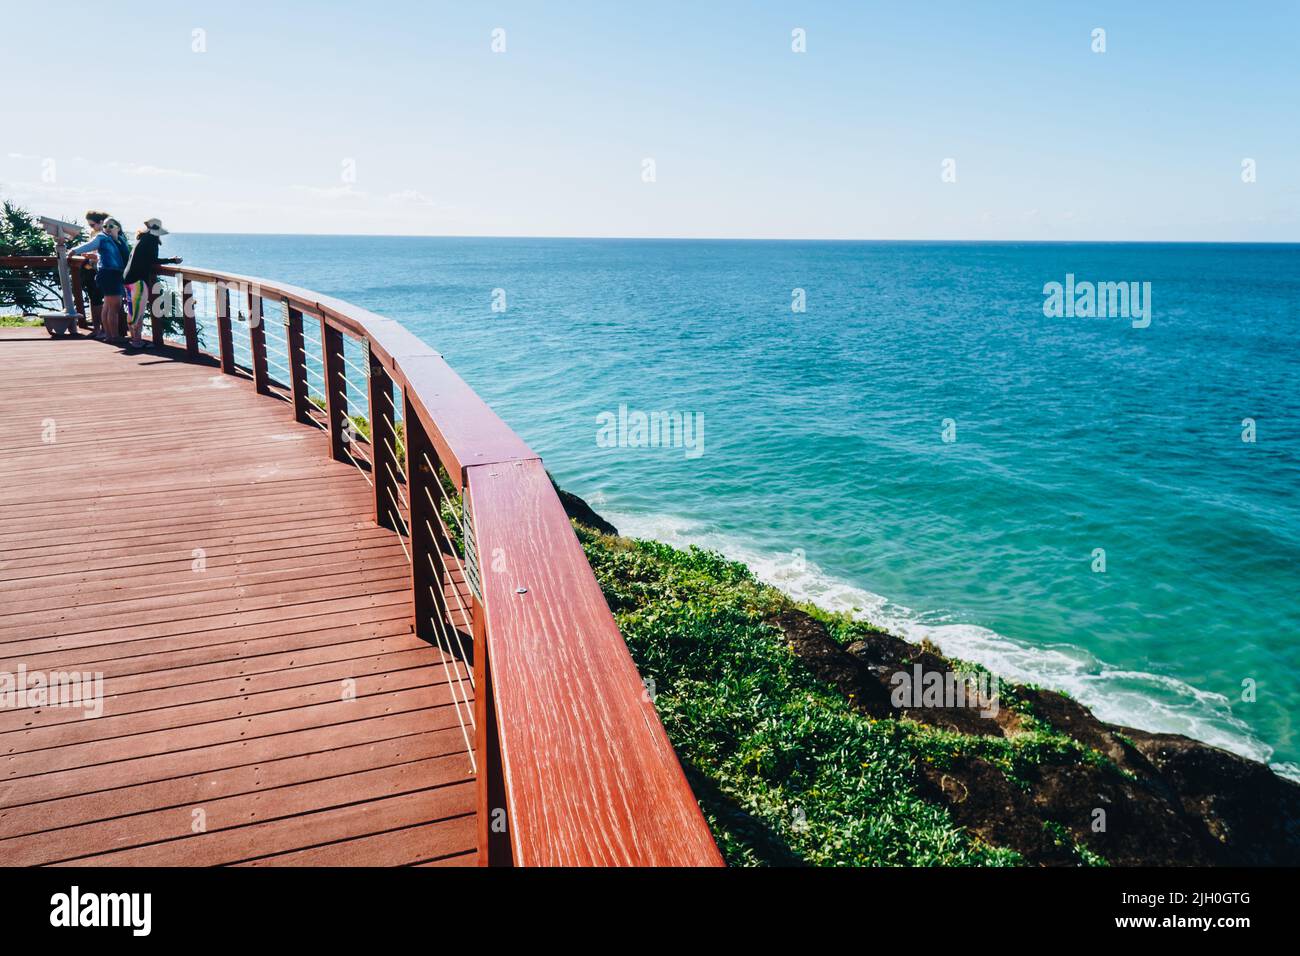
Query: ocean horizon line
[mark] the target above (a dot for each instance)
(757, 239)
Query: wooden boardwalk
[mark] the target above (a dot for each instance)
(264, 698)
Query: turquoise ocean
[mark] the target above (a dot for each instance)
(824, 463)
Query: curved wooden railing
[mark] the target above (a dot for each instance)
(573, 765)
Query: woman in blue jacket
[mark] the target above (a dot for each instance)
(111, 253)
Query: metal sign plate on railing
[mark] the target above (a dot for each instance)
(471, 559)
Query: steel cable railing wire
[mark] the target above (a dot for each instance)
(353, 439)
(402, 535)
(397, 450)
(405, 530)
(456, 592)
(394, 487)
(392, 403)
(446, 633)
(446, 624)
(442, 557)
(356, 368)
(454, 681)
(443, 627)
(445, 496)
(346, 422)
(276, 365)
(311, 374)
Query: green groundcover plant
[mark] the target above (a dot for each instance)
(787, 771)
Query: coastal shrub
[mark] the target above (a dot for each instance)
(28, 290)
(1060, 835)
(786, 770)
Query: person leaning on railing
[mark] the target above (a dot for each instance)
(142, 275)
(111, 252)
(95, 220)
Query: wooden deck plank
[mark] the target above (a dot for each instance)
(237, 547)
(154, 829)
(143, 515)
(329, 603)
(100, 608)
(126, 733)
(244, 658)
(164, 610)
(405, 847)
(137, 654)
(119, 802)
(328, 825)
(202, 761)
(164, 689)
(279, 689)
(179, 705)
(128, 587)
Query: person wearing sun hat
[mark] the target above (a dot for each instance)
(142, 275)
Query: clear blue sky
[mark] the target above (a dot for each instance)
(749, 139)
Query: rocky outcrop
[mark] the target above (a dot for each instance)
(578, 510)
(1155, 799)
(1133, 798)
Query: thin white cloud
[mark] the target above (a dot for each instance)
(411, 197)
(145, 169)
(347, 191)
(33, 193)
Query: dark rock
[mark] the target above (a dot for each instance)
(583, 513)
(1069, 716)
(1167, 799)
(980, 798)
(1246, 814)
(864, 671)
(832, 664)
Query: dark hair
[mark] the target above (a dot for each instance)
(94, 215)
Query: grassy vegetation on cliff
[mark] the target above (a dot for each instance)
(786, 769)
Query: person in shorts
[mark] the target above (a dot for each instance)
(141, 276)
(95, 221)
(111, 253)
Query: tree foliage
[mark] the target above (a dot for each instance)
(21, 234)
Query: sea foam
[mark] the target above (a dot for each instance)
(1147, 701)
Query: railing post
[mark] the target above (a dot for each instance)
(493, 824)
(153, 302)
(187, 311)
(295, 346)
(336, 390)
(257, 344)
(426, 587)
(383, 440)
(225, 334)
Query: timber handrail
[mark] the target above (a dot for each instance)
(573, 765)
